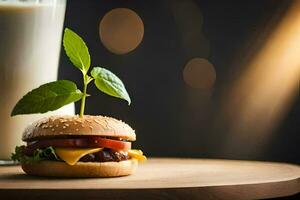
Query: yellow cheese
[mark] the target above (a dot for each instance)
(137, 154)
(72, 155)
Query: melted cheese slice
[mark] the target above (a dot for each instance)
(72, 155)
(137, 154)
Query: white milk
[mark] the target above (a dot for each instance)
(30, 41)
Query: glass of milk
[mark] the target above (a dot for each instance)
(30, 42)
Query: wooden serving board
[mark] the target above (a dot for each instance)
(163, 179)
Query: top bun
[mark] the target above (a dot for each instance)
(71, 125)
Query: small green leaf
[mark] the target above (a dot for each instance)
(76, 50)
(109, 83)
(18, 154)
(48, 97)
(37, 156)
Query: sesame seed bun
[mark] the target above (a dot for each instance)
(60, 126)
(81, 169)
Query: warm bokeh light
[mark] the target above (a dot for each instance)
(264, 92)
(199, 73)
(121, 30)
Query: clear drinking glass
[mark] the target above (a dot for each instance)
(30, 42)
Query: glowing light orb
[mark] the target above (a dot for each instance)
(121, 30)
(199, 73)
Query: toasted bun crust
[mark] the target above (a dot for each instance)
(81, 169)
(55, 126)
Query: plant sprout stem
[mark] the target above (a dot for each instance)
(85, 83)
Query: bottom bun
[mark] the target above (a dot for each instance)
(81, 169)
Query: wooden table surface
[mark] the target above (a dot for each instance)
(160, 178)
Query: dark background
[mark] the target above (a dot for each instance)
(152, 73)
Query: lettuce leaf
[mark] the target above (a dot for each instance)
(38, 155)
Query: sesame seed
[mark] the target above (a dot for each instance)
(66, 124)
(77, 129)
(56, 125)
(64, 127)
(52, 129)
(50, 126)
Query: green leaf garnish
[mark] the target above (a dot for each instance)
(109, 83)
(38, 155)
(18, 154)
(48, 97)
(54, 95)
(76, 50)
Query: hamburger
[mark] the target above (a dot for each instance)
(73, 146)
